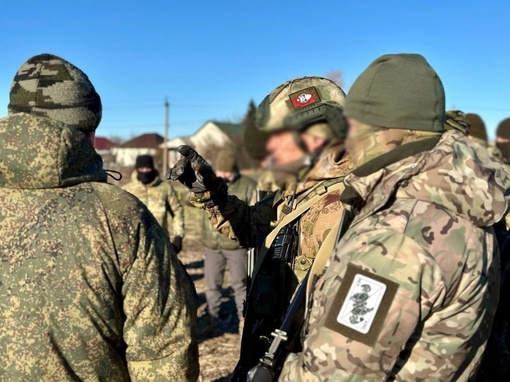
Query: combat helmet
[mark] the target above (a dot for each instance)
(301, 102)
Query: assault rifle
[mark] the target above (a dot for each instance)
(284, 339)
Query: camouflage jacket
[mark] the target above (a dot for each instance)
(412, 287)
(162, 200)
(90, 288)
(250, 224)
(243, 188)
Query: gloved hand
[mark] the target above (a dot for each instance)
(177, 244)
(207, 190)
(193, 171)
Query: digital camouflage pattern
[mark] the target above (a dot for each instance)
(49, 86)
(424, 224)
(90, 288)
(162, 201)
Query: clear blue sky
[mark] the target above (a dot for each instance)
(211, 57)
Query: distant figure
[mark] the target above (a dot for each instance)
(477, 130)
(90, 287)
(220, 251)
(159, 197)
(502, 151)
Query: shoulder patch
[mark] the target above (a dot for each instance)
(361, 305)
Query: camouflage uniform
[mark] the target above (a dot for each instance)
(162, 200)
(221, 251)
(90, 288)
(310, 105)
(241, 222)
(411, 289)
(435, 243)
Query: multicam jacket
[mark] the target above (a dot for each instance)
(162, 200)
(90, 288)
(411, 290)
(243, 188)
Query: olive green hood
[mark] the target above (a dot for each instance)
(399, 91)
(37, 152)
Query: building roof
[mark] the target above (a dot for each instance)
(231, 129)
(101, 143)
(151, 140)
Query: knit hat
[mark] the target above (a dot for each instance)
(399, 91)
(477, 129)
(144, 161)
(225, 161)
(50, 86)
(503, 130)
(457, 120)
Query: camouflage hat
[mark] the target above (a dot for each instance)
(225, 161)
(398, 91)
(503, 130)
(457, 120)
(299, 103)
(477, 129)
(50, 86)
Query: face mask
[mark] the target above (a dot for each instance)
(146, 177)
(504, 147)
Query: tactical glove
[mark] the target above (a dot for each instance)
(198, 176)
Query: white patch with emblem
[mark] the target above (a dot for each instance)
(361, 303)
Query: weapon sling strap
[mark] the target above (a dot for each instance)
(293, 215)
(325, 251)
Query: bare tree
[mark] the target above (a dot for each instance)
(335, 76)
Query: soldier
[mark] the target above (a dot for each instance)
(420, 246)
(306, 114)
(90, 286)
(221, 251)
(159, 197)
(477, 130)
(502, 149)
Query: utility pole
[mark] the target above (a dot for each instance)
(165, 149)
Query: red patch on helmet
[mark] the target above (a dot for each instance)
(304, 97)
